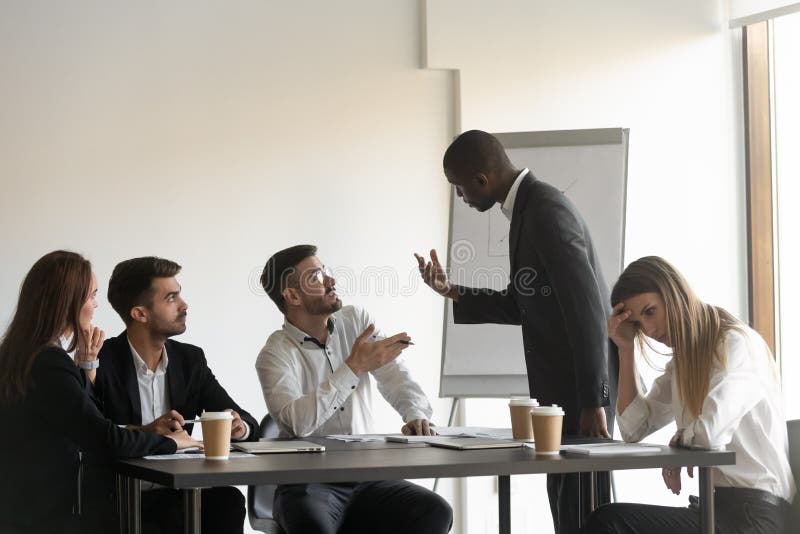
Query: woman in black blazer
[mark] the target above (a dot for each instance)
(47, 414)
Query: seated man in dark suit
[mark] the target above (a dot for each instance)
(150, 382)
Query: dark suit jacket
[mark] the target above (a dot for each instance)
(42, 437)
(191, 384)
(559, 296)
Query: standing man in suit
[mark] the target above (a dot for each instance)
(557, 294)
(150, 382)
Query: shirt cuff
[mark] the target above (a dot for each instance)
(410, 416)
(694, 440)
(344, 380)
(247, 431)
(634, 416)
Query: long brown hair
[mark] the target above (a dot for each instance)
(50, 302)
(696, 330)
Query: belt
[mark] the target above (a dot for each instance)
(749, 494)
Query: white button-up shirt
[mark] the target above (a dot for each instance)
(742, 413)
(309, 390)
(153, 394)
(508, 204)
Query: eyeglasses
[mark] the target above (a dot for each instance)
(319, 275)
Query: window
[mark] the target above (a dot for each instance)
(772, 99)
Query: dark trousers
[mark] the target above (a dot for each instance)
(222, 511)
(736, 512)
(569, 496)
(388, 507)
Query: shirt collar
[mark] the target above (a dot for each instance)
(508, 204)
(65, 341)
(301, 337)
(142, 368)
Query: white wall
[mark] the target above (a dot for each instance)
(215, 133)
(669, 71)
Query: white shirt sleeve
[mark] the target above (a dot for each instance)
(646, 414)
(296, 413)
(402, 392)
(731, 395)
(396, 385)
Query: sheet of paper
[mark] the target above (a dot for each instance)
(450, 431)
(356, 438)
(189, 455)
(415, 439)
(474, 432)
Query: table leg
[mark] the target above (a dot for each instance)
(504, 503)
(706, 500)
(122, 504)
(134, 505)
(191, 511)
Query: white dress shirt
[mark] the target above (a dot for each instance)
(742, 413)
(64, 342)
(508, 204)
(309, 390)
(153, 394)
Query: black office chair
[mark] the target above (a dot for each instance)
(259, 498)
(794, 461)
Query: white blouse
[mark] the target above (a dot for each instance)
(742, 413)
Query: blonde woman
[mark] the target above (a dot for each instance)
(721, 387)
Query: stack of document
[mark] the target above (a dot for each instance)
(463, 437)
(445, 431)
(474, 432)
(612, 448)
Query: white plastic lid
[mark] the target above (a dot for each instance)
(215, 416)
(555, 409)
(523, 401)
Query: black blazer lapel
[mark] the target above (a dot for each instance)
(176, 382)
(516, 220)
(127, 375)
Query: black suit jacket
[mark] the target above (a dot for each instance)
(191, 384)
(39, 452)
(559, 296)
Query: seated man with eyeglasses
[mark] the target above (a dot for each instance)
(316, 374)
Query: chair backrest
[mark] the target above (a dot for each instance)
(793, 428)
(259, 498)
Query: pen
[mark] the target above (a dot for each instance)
(403, 341)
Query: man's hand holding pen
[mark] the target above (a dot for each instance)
(369, 355)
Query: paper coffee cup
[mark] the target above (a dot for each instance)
(216, 434)
(547, 421)
(520, 408)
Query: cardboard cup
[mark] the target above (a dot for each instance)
(216, 434)
(547, 422)
(521, 417)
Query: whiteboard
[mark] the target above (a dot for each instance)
(590, 166)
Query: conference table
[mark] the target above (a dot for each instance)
(356, 462)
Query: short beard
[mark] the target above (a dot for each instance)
(174, 331)
(323, 308)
